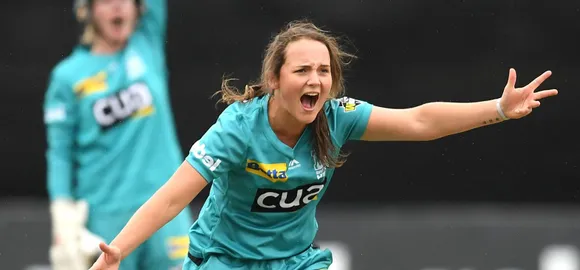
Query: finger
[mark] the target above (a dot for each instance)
(539, 80)
(545, 93)
(535, 104)
(511, 83)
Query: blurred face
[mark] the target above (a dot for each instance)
(115, 19)
(305, 80)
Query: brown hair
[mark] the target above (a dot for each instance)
(275, 56)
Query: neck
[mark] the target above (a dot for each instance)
(286, 127)
(102, 46)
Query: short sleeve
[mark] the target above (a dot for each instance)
(222, 148)
(348, 118)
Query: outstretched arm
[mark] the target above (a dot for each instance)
(434, 120)
(162, 207)
(221, 149)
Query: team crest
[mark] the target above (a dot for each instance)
(348, 104)
(319, 168)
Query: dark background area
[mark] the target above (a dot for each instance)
(410, 52)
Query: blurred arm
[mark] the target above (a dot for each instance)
(154, 19)
(60, 120)
(162, 207)
(429, 121)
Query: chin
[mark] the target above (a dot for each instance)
(307, 118)
(309, 121)
(118, 37)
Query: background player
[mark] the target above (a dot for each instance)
(111, 135)
(272, 152)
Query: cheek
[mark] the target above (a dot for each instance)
(290, 82)
(101, 18)
(132, 14)
(100, 13)
(289, 98)
(327, 82)
(290, 88)
(100, 23)
(326, 85)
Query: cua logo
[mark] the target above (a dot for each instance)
(133, 102)
(275, 200)
(198, 151)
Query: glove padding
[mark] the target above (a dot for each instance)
(74, 247)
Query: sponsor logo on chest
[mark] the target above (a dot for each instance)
(285, 200)
(276, 200)
(134, 102)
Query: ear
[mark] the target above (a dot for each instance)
(82, 14)
(272, 80)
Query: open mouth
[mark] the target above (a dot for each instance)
(117, 21)
(309, 100)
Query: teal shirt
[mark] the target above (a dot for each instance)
(110, 129)
(263, 199)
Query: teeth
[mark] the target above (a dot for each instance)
(312, 94)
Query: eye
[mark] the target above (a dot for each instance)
(325, 70)
(302, 70)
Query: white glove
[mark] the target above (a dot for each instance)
(74, 247)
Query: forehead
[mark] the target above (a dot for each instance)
(307, 52)
(107, 2)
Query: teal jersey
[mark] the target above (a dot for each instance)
(110, 128)
(263, 198)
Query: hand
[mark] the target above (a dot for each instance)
(110, 259)
(519, 102)
(66, 255)
(67, 251)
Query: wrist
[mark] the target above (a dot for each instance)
(124, 250)
(500, 111)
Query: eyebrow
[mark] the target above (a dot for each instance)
(307, 65)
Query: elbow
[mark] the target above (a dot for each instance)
(174, 205)
(424, 128)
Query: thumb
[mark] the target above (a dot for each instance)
(511, 83)
(112, 253)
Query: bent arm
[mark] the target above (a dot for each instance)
(59, 163)
(162, 207)
(60, 120)
(429, 121)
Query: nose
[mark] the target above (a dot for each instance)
(313, 79)
(117, 5)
